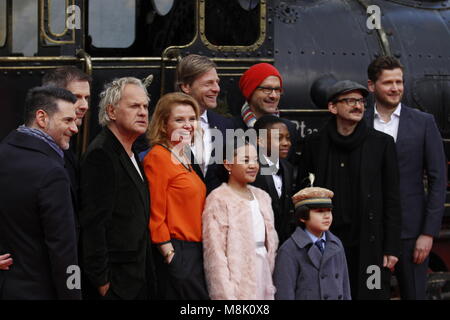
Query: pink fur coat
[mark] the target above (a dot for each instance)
(229, 245)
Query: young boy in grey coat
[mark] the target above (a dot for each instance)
(311, 264)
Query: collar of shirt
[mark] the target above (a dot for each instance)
(395, 113)
(314, 238)
(204, 120)
(270, 163)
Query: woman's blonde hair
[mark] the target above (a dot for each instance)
(157, 130)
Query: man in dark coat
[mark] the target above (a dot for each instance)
(419, 150)
(197, 77)
(37, 222)
(360, 165)
(262, 87)
(79, 83)
(115, 201)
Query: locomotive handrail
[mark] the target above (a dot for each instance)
(442, 5)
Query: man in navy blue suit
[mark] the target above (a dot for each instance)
(37, 222)
(420, 150)
(197, 77)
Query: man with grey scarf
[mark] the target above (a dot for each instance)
(37, 222)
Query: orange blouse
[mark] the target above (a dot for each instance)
(177, 198)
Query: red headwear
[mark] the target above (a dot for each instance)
(254, 76)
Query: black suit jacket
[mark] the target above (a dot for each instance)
(419, 149)
(73, 171)
(239, 123)
(37, 221)
(212, 179)
(114, 219)
(283, 208)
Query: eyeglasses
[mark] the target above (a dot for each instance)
(351, 102)
(268, 90)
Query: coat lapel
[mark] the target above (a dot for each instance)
(368, 116)
(287, 177)
(403, 126)
(315, 256)
(268, 180)
(134, 175)
(331, 248)
(303, 241)
(130, 169)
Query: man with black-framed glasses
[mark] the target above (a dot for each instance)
(262, 87)
(360, 165)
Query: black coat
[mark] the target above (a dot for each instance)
(380, 212)
(283, 208)
(73, 171)
(37, 220)
(114, 219)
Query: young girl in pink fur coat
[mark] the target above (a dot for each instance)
(239, 238)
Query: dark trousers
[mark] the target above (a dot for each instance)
(352, 257)
(111, 295)
(358, 277)
(412, 278)
(184, 277)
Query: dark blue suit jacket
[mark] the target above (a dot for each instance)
(37, 222)
(212, 179)
(419, 148)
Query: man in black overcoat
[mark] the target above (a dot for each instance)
(115, 200)
(359, 164)
(37, 222)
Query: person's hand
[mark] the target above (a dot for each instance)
(5, 261)
(389, 262)
(169, 257)
(424, 243)
(103, 289)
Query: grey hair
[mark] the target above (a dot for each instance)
(111, 95)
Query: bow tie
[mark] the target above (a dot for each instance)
(272, 169)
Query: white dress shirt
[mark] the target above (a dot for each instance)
(202, 149)
(278, 182)
(133, 159)
(390, 127)
(314, 238)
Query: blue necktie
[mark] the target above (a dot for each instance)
(319, 244)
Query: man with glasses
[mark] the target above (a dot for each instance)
(262, 87)
(420, 150)
(360, 165)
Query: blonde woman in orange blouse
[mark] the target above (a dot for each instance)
(177, 199)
